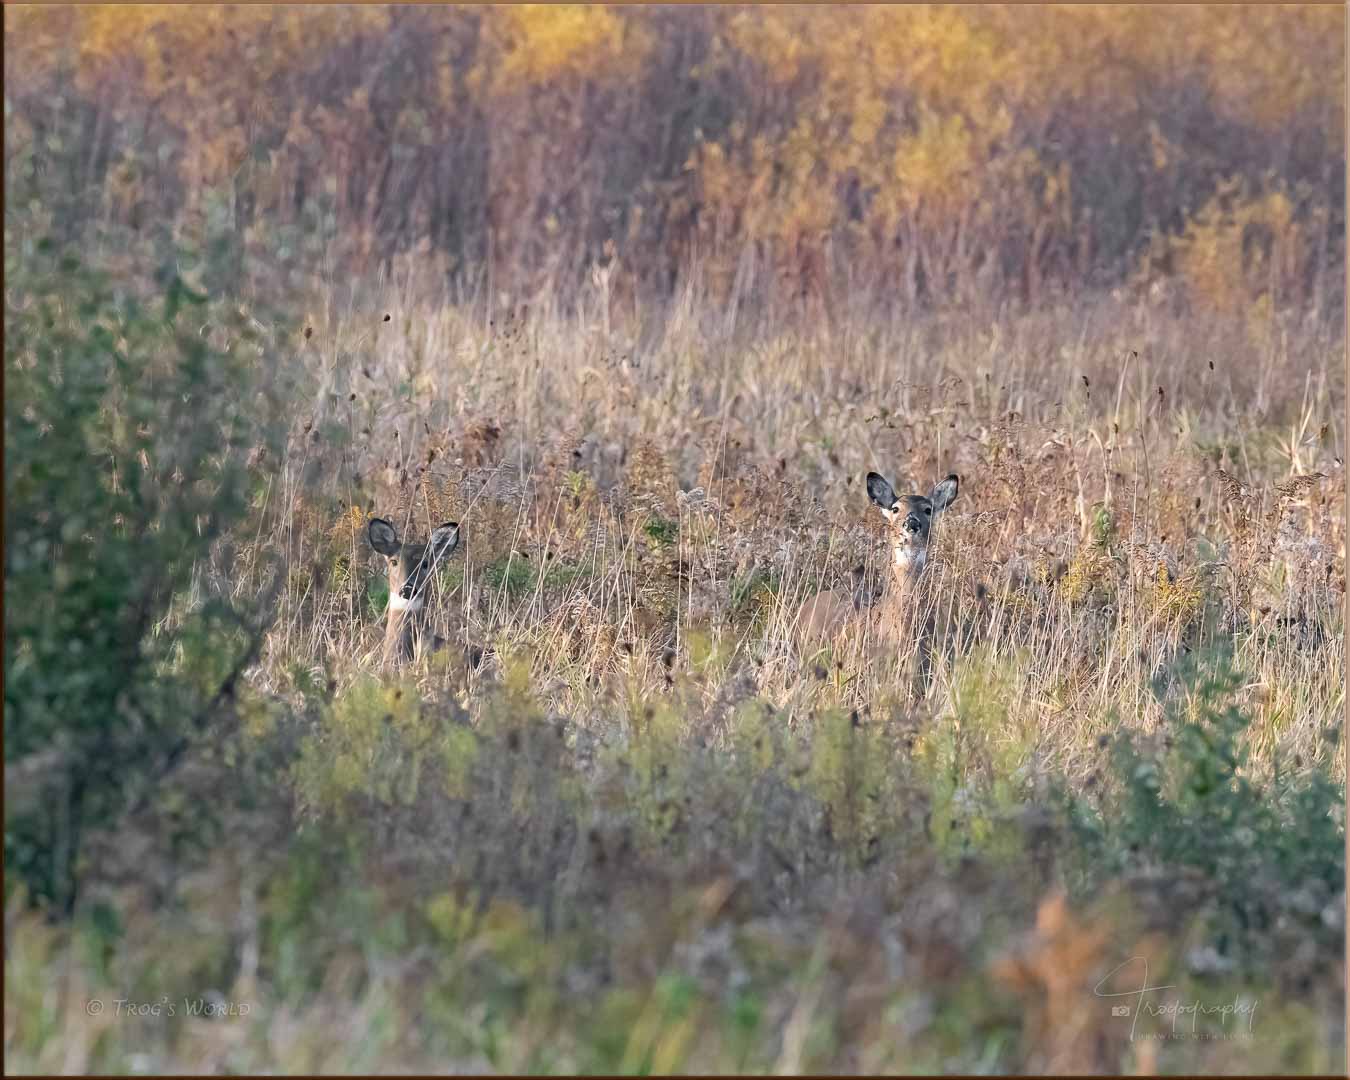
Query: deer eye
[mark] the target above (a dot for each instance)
(928, 510)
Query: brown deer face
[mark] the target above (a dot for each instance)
(411, 565)
(911, 517)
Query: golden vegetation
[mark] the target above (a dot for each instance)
(941, 154)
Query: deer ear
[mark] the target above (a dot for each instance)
(879, 490)
(944, 493)
(383, 537)
(444, 539)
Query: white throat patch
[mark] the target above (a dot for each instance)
(398, 603)
(913, 561)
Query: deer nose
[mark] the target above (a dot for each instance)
(912, 523)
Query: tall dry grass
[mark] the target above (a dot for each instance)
(1138, 483)
(624, 820)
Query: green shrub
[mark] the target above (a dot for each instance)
(976, 761)
(372, 743)
(510, 574)
(853, 775)
(1182, 805)
(662, 530)
(128, 423)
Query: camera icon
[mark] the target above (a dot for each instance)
(1120, 1010)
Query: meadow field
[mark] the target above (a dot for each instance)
(624, 818)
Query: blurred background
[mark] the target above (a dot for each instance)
(966, 156)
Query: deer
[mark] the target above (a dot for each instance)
(909, 520)
(411, 567)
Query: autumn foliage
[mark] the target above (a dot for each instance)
(638, 296)
(925, 156)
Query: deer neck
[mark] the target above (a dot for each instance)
(901, 595)
(907, 570)
(406, 619)
(907, 564)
